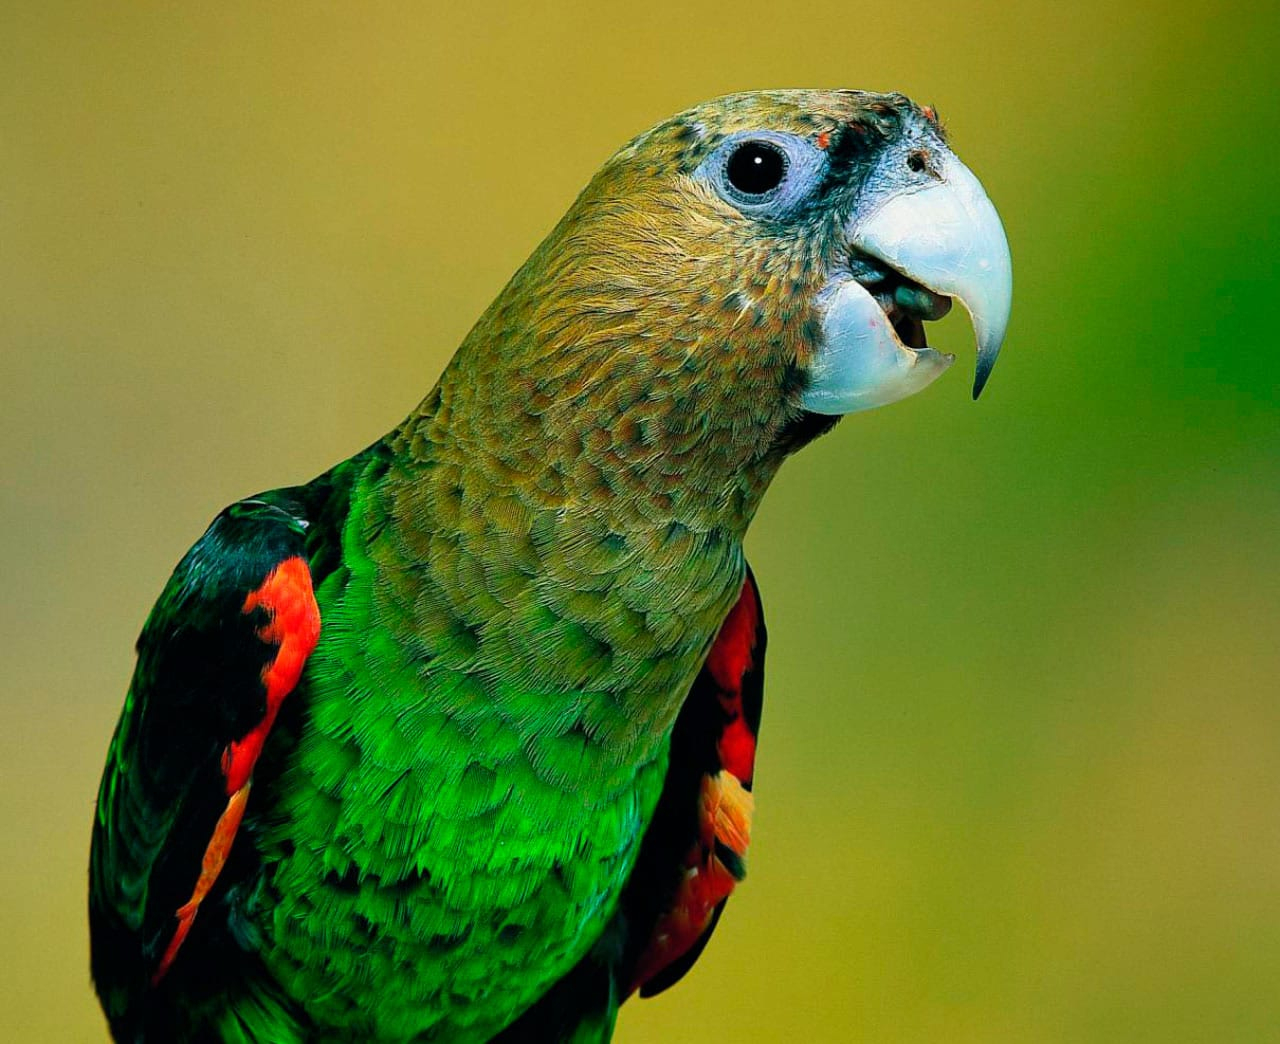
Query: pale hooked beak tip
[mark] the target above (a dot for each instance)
(986, 363)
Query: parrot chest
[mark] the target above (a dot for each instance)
(453, 867)
(480, 751)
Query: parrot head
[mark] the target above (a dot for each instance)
(733, 281)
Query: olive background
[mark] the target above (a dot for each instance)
(1018, 778)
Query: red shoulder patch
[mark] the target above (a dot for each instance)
(715, 862)
(730, 658)
(293, 627)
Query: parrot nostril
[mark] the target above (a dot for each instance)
(918, 161)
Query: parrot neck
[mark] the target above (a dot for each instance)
(577, 487)
(575, 565)
(638, 447)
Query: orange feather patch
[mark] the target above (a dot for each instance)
(215, 855)
(724, 812)
(293, 626)
(715, 862)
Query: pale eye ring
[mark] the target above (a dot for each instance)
(765, 174)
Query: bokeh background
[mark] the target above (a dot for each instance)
(1019, 776)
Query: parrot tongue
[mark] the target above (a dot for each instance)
(906, 304)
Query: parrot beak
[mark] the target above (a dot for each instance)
(914, 252)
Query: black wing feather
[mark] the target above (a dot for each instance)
(196, 687)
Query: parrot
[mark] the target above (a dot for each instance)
(456, 741)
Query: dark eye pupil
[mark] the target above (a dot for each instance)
(756, 168)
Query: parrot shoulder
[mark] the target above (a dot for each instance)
(224, 645)
(695, 849)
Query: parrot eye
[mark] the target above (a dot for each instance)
(756, 167)
(764, 174)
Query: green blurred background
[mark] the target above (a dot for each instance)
(1019, 776)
